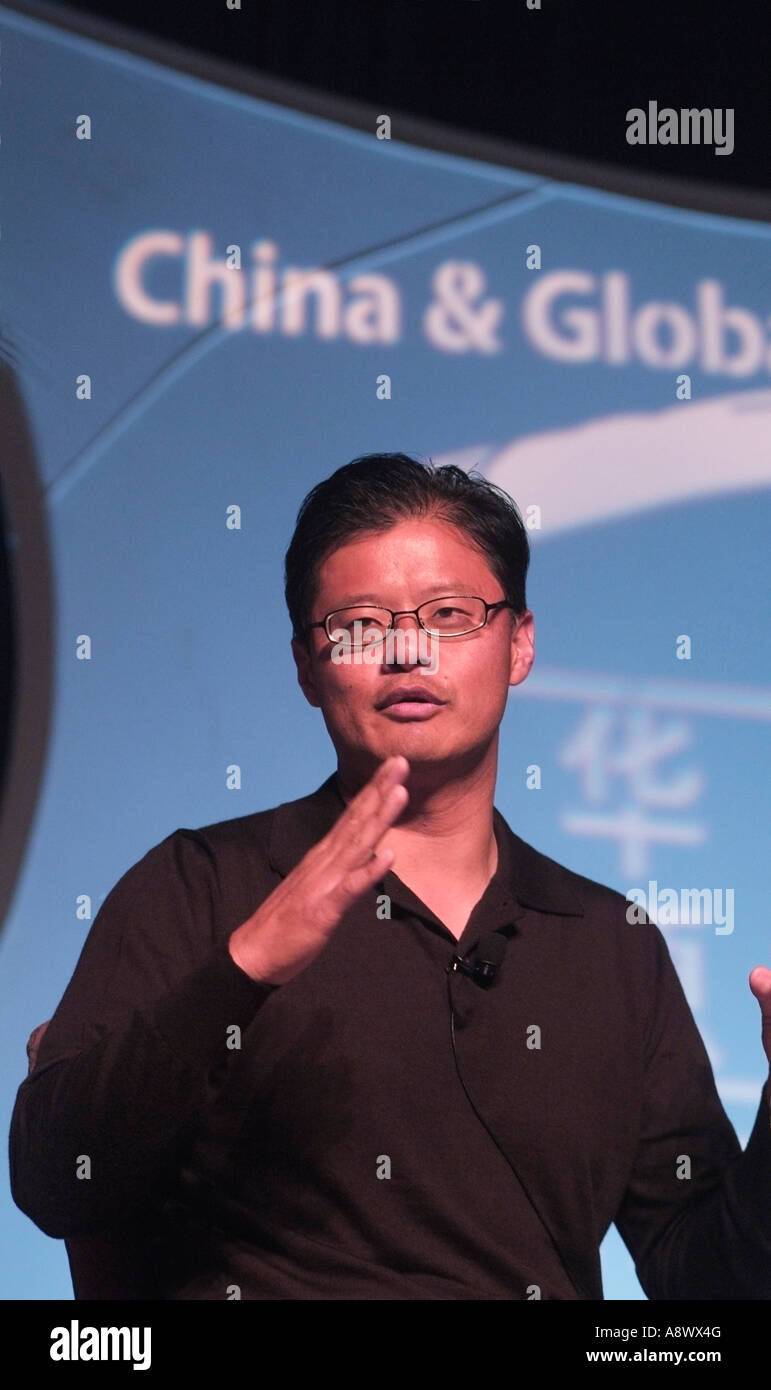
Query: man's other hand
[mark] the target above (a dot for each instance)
(760, 984)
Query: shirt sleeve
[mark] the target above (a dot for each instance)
(136, 1050)
(696, 1215)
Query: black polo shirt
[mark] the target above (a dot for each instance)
(383, 1127)
(362, 1169)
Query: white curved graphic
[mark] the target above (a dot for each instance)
(621, 464)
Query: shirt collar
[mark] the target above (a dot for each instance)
(533, 880)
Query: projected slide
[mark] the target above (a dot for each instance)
(210, 303)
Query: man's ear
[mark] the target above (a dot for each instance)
(522, 647)
(305, 672)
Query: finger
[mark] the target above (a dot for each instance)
(392, 772)
(360, 839)
(358, 881)
(371, 811)
(760, 984)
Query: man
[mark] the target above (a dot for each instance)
(370, 1044)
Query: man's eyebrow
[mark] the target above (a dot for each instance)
(443, 589)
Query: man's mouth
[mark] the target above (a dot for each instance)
(410, 695)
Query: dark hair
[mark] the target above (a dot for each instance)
(373, 493)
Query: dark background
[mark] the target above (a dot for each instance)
(559, 79)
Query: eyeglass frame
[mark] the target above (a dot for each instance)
(415, 613)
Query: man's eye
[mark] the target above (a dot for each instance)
(352, 620)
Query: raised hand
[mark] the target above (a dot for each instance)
(760, 984)
(295, 922)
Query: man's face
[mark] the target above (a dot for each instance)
(412, 562)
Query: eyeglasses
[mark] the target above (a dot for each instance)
(452, 615)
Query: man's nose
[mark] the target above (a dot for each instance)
(408, 619)
(409, 649)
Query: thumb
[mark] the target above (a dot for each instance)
(760, 984)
